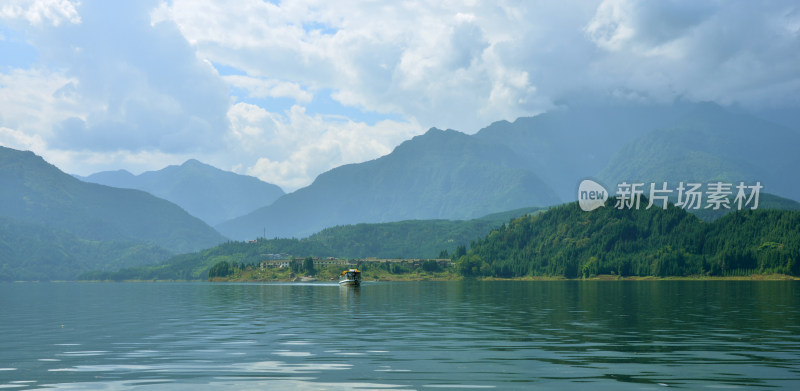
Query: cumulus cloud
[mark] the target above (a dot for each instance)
(292, 148)
(737, 52)
(35, 100)
(427, 62)
(38, 12)
(288, 90)
(645, 28)
(464, 64)
(12, 138)
(263, 88)
(134, 85)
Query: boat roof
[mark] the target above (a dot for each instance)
(350, 271)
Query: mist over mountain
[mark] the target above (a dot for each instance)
(571, 143)
(442, 174)
(211, 194)
(709, 144)
(36, 192)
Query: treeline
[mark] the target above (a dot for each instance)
(427, 268)
(566, 241)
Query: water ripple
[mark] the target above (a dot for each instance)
(506, 335)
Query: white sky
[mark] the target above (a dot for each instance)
(287, 90)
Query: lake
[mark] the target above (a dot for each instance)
(401, 335)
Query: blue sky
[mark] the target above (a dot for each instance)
(287, 90)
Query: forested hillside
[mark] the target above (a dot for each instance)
(33, 252)
(566, 241)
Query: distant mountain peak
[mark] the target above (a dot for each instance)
(448, 131)
(205, 191)
(436, 132)
(441, 134)
(122, 171)
(195, 163)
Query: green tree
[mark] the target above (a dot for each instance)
(296, 266)
(308, 266)
(220, 269)
(430, 266)
(460, 252)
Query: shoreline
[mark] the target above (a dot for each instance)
(604, 277)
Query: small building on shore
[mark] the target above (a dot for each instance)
(320, 263)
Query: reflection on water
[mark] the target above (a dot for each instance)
(505, 335)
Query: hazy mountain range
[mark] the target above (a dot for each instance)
(712, 144)
(568, 144)
(442, 174)
(536, 161)
(204, 191)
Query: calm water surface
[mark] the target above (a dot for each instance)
(416, 335)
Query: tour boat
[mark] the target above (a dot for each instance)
(350, 277)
